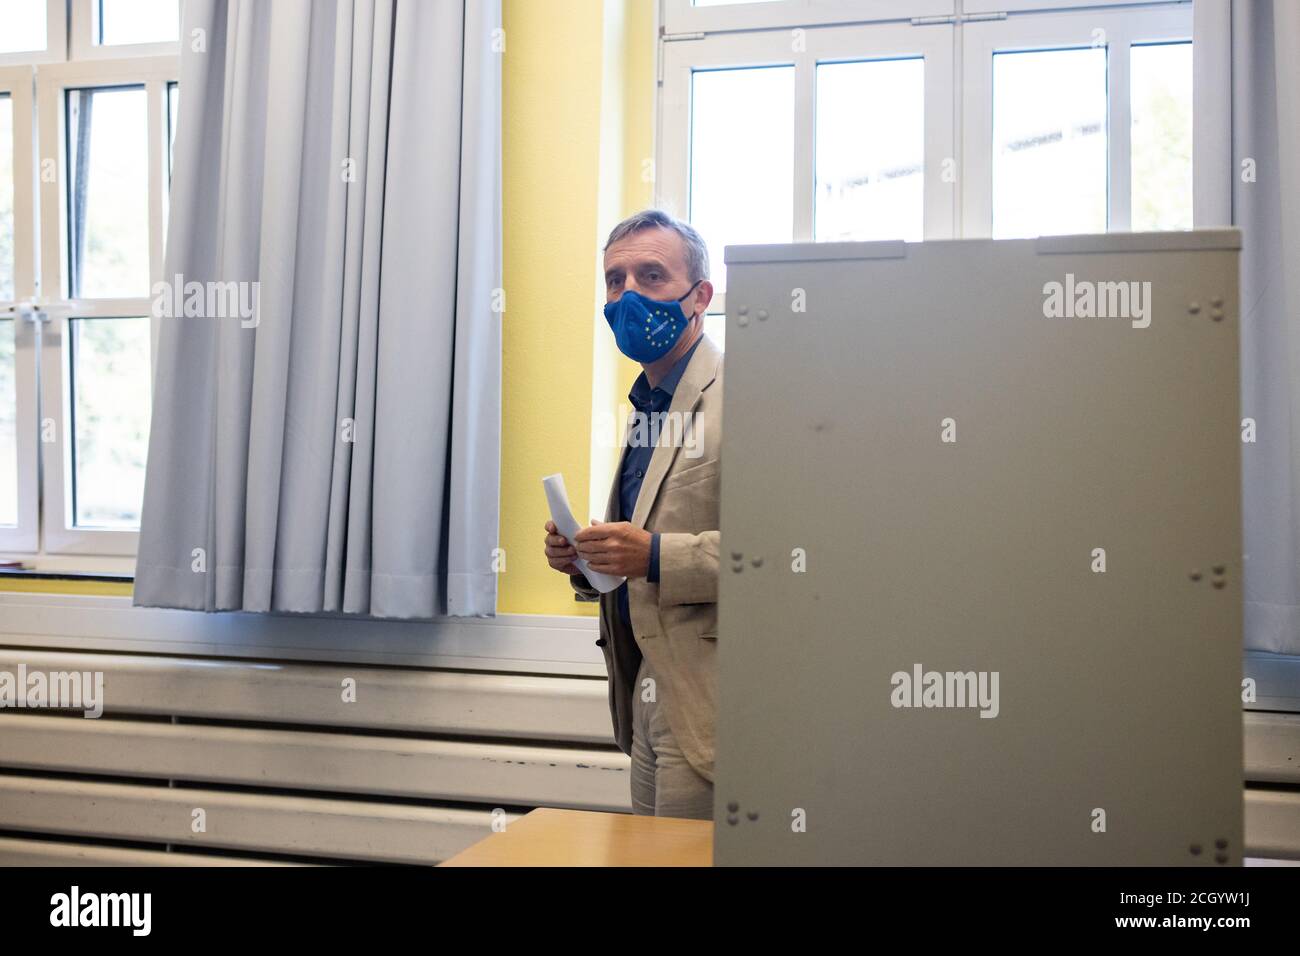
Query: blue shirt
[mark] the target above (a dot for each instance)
(636, 460)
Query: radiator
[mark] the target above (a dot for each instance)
(210, 761)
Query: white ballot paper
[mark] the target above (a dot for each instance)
(568, 526)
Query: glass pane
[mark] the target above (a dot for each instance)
(108, 201)
(1049, 142)
(715, 327)
(742, 159)
(6, 199)
(870, 151)
(1160, 86)
(22, 26)
(110, 420)
(137, 21)
(8, 427)
(173, 102)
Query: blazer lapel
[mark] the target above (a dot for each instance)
(698, 376)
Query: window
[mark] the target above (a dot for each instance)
(24, 27)
(6, 198)
(8, 386)
(32, 31)
(883, 137)
(1160, 83)
(8, 426)
(173, 104)
(108, 192)
(869, 185)
(125, 22)
(1049, 142)
(115, 29)
(18, 414)
(740, 190)
(87, 109)
(109, 361)
(1077, 105)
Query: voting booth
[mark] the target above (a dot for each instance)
(981, 575)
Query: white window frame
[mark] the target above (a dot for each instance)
(1123, 28)
(38, 80)
(56, 39)
(85, 19)
(682, 58)
(61, 534)
(681, 16)
(16, 83)
(751, 34)
(1033, 6)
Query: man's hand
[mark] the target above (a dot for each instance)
(616, 547)
(559, 552)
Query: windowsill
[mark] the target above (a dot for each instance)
(48, 575)
(519, 643)
(117, 569)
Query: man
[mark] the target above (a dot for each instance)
(659, 630)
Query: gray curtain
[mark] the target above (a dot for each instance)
(1262, 82)
(339, 452)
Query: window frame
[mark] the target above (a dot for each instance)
(17, 83)
(84, 48)
(681, 16)
(1054, 30)
(62, 536)
(46, 535)
(753, 35)
(1046, 6)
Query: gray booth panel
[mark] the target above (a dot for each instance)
(947, 459)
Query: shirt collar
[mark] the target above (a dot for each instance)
(641, 390)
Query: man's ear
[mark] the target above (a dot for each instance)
(702, 297)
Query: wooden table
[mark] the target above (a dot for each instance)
(548, 837)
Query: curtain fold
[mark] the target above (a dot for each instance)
(1262, 73)
(337, 451)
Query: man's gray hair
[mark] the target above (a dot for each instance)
(697, 253)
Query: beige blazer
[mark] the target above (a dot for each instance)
(674, 622)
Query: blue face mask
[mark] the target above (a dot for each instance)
(646, 329)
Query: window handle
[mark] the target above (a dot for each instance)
(38, 310)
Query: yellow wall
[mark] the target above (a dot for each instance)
(578, 125)
(56, 586)
(578, 81)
